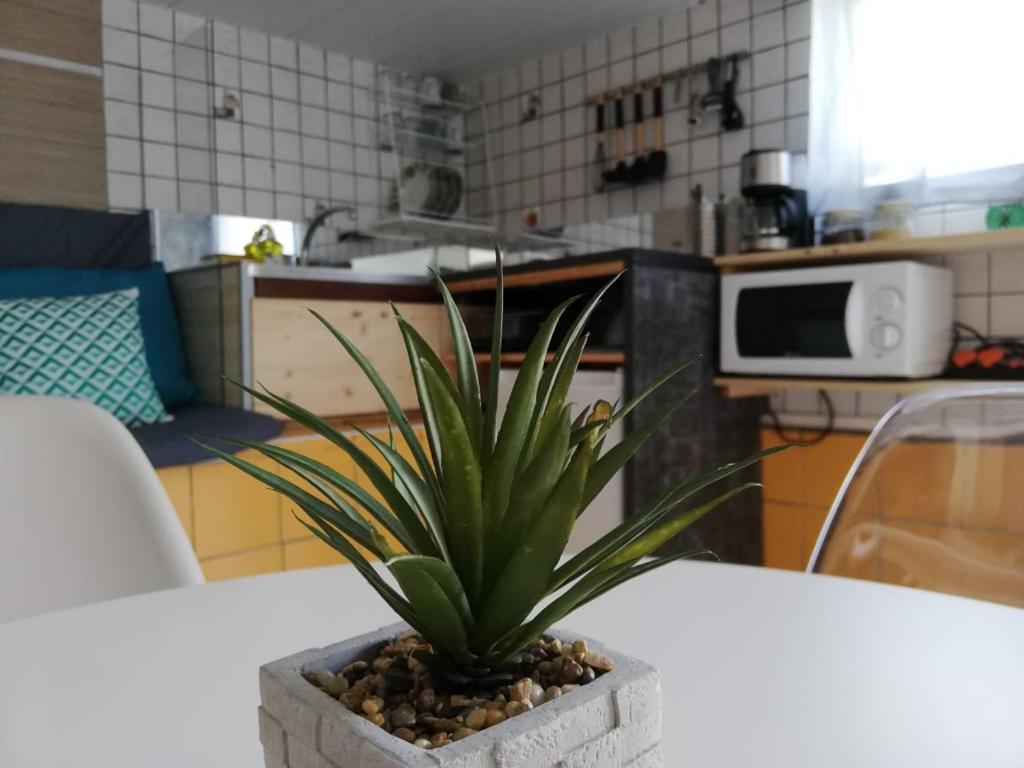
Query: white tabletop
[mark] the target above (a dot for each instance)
(760, 668)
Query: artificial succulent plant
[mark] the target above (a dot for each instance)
(479, 518)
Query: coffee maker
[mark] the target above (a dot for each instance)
(775, 214)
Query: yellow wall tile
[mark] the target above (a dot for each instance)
(321, 450)
(310, 553)
(825, 466)
(177, 482)
(233, 511)
(998, 493)
(917, 481)
(781, 472)
(263, 560)
(918, 555)
(811, 523)
(781, 532)
(992, 565)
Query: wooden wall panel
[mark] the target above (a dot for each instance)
(52, 137)
(70, 30)
(296, 357)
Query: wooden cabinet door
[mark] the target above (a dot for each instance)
(233, 511)
(296, 357)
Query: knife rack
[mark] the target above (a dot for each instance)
(676, 76)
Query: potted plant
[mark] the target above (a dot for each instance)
(477, 522)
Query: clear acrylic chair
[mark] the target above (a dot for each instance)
(935, 500)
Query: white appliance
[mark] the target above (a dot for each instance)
(887, 319)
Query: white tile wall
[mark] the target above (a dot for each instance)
(305, 134)
(292, 145)
(549, 171)
(544, 165)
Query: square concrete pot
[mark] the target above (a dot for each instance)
(612, 722)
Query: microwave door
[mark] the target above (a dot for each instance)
(796, 328)
(855, 323)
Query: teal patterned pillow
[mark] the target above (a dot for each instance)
(86, 347)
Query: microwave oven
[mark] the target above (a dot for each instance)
(885, 319)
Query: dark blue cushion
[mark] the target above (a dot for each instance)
(164, 350)
(170, 444)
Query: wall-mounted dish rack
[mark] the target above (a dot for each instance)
(426, 157)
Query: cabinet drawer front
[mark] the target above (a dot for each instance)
(296, 357)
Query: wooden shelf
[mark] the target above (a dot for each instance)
(974, 243)
(540, 276)
(754, 386)
(515, 358)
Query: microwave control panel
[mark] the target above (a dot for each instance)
(886, 333)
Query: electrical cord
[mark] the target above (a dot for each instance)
(963, 332)
(828, 429)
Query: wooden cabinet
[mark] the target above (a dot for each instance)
(251, 323)
(52, 136)
(293, 355)
(67, 30)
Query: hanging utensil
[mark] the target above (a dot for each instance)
(732, 115)
(619, 172)
(696, 113)
(657, 160)
(638, 170)
(597, 165)
(712, 100)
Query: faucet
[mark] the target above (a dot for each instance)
(315, 223)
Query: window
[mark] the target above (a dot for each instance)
(915, 98)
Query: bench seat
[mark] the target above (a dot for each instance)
(169, 444)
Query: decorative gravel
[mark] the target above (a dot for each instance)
(405, 692)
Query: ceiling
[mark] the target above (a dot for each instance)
(450, 37)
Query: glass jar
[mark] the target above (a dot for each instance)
(893, 220)
(843, 226)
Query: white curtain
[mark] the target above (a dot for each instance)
(915, 100)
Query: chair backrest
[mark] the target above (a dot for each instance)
(83, 516)
(936, 498)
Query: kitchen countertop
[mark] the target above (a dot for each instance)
(276, 280)
(330, 274)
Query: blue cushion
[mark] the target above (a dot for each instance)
(86, 347)
(170, 444)
(164, 350)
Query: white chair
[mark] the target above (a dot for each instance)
(83, 517)
(935, 500)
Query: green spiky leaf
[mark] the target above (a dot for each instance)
(485, 512)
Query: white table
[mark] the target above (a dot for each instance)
(760, 668)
